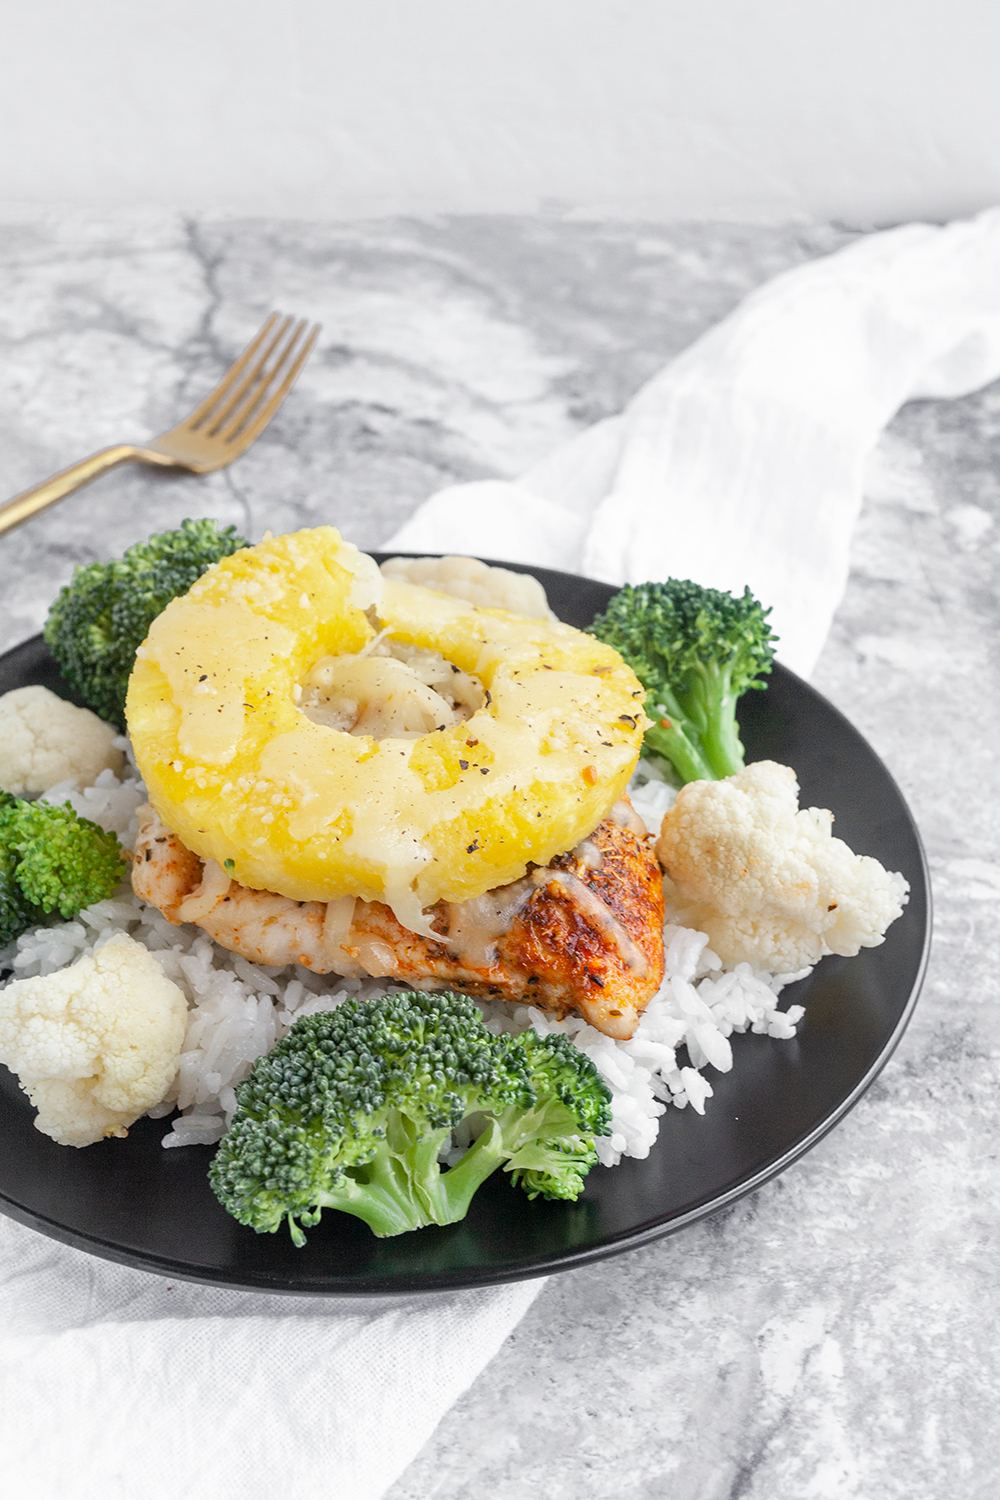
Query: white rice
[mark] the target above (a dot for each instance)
(240, 1009)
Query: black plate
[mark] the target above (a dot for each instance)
(131, 1201)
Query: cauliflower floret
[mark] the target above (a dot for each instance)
(44, 740)
(94, 1045)
(768, 883)
(478, 583)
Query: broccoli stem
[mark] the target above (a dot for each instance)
(403, 1187)
(456, 1188)
(714, 711)
(379, 1193)
(697, 730)
(723, 744)
(667, 738)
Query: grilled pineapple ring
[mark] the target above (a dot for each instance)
(241, 775)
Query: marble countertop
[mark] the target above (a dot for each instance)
(833, 1335)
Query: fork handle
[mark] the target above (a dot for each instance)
(28, 504)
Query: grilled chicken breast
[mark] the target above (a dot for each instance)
(583, 934)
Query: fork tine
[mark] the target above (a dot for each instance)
(235, 370)
(249, 433)
(245, 415)
(254, 388)
(220, 414)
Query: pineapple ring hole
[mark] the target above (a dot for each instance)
(389, 690)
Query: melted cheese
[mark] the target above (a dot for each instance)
(476, 926)
(215, 886)
(590, 905)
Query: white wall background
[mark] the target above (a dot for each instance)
(864, 110)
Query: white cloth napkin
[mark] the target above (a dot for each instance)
(116, 1384)
(740, 463)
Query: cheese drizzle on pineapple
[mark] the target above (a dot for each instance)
(313, 813)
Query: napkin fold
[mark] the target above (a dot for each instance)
(740, 463)
(116, 1384)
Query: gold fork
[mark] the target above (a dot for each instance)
(219, 430)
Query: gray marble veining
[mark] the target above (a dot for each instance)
(834, 1335)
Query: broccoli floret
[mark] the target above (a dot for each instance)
(352, 1107)
(51, 860)
(104, 613)
(695, 651)
(64, 862)
(17, 914)
(554, 1140)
